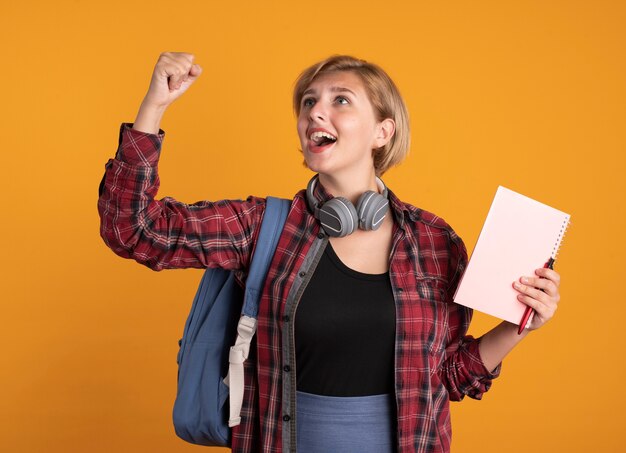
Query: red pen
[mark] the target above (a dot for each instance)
(529, 311)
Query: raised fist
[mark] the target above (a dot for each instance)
(173, 74)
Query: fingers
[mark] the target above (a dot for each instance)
(178, 68)
(541, 293)
(173, 74)
(544, 284)
(532, 292)
(543, 311)
(194, 72)
(549, 274)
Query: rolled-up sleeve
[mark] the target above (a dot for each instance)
(462, 372)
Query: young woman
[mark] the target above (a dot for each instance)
(359, 345)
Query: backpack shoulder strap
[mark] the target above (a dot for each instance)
(273, 222)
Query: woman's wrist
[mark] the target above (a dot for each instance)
(498, 342)
(149, 118)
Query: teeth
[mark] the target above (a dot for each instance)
(319, 135)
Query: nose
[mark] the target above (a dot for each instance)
(318, 112)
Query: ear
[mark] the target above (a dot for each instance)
(385, 130)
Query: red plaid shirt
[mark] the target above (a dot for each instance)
(435, 361)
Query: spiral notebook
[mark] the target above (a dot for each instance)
(519, 235)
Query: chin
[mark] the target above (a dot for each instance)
(317, 165)
(311, 160)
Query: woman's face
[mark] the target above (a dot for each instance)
(337, 126)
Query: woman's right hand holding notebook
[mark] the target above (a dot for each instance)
(541, 293)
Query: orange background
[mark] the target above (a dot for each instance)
(530, 95)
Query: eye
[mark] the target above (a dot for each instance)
(342, 100)
(308, 102)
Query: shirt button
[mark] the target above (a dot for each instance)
(399, 290)
(287, 368)
(302, 274)
(320, 235)
(286, 318)
(286, 418)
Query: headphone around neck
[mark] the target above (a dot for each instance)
(339, 217)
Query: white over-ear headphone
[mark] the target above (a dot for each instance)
(339, 217)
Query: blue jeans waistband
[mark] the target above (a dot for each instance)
(346, 405)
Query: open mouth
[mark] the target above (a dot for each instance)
(321, 140)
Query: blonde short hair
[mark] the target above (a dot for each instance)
(383, 94)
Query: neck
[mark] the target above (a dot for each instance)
(350, 186)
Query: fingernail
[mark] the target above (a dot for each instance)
(524, 280)
(517, 285)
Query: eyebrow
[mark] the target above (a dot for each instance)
(332, 89)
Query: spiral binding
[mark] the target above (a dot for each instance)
(559, 239)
